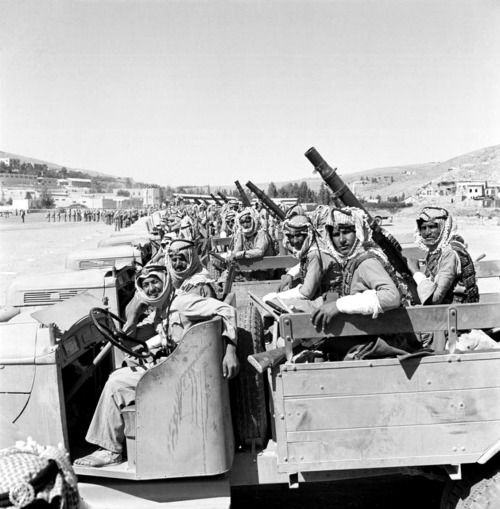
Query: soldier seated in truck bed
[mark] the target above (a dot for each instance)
(316, 271)
(172, 316)
(251, 241)
(449, 274)
(366, 286)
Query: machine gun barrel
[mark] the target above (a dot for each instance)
(388, 245)
(266, 201)
(215, 199)
(244, 198)
(224, 198)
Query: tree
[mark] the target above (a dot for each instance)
(303, 194)
(128, 183)
(46, 200)
(272, 192)
(122, 192)
(323, 195)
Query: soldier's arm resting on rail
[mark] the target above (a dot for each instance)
(372, 293)
(433, 291)
(196, 308)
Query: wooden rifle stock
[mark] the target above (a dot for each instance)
(266, 201)
(263, 360)
(243, 196)
(340, 190)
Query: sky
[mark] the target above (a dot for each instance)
(197, 92)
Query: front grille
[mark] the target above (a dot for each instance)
(50, 297)
(95, 264)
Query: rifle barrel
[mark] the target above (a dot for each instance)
(243, 196)
(266, 201)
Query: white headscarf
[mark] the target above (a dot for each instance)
(160, 272)
(248, 231)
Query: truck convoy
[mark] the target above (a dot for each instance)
(191, 435)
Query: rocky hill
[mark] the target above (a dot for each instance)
(482, 164)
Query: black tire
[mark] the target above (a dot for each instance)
(213, 271)
(477, 490)
(248, 389)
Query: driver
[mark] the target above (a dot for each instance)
(171, 317)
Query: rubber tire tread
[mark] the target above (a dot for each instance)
(213, 271)
(248, 390)
(473, 491)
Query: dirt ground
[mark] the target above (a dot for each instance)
(39, 246)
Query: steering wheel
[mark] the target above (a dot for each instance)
(115, 336)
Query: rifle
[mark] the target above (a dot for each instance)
(243, 196)
(224, 198)
(266, 201)
(340, 190)
(215, 199)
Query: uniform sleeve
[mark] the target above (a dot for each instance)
(196, 308)
(260, 246)
(372, 273)
(313, 275)
(237, 243)
(433, 292)
(372, 291)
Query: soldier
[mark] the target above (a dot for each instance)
(449, 274)
(250, 240)
(317, 270)
(366, 286)
(172, 315)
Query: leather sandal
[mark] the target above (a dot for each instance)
(99, 458)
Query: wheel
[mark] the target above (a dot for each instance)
(248, 390)
(478, 490)
(114, 335)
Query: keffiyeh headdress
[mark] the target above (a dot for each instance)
(446, 223)
(302, 224)
(254, 225)
(160, 272)
(351, 216)
(188, 250)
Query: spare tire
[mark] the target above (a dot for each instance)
(248, 389)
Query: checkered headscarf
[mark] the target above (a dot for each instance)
(351, 216)
(188, 250)
(30, 472)
(445, 221)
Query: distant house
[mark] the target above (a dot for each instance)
(493, 190)
(471, 188)
(80, 183)
(447, 188)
